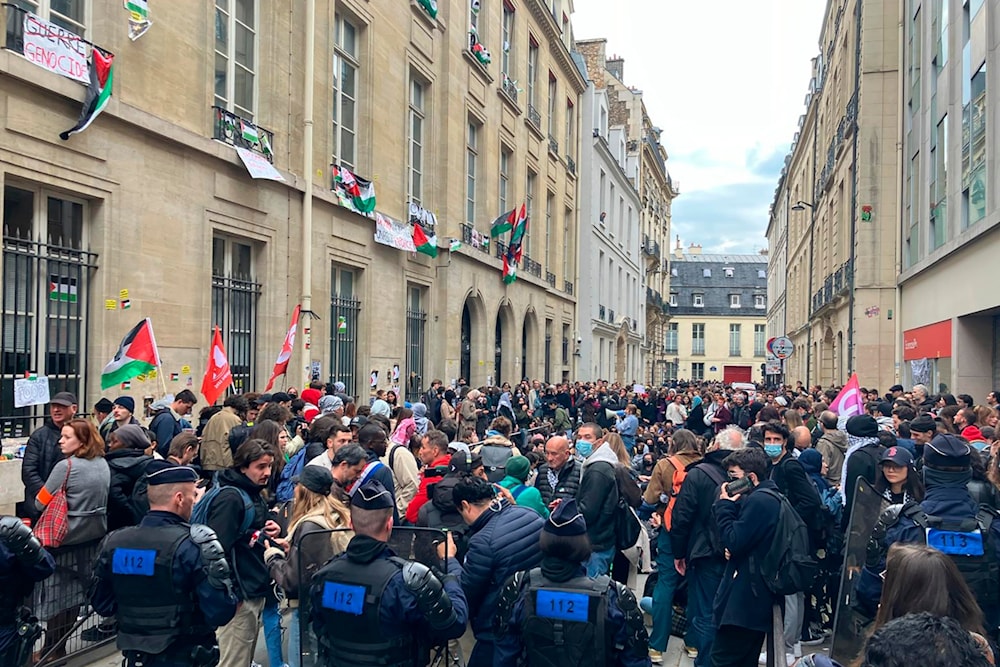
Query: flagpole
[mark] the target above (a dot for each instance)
(159, 367)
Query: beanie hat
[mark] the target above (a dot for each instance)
(923, 424)
(132, 436)
(126, 402)
(311, 396)
(317, 479)
(518, 467)
(862, 426)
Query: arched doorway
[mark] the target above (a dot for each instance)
(465, 365)
(620, 358)
(529, 346)
(498, 352)
(505, 346)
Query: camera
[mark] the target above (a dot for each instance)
(738, 486)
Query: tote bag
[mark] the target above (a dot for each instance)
(53, 525)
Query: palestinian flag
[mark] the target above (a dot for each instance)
(520, 228)
(102, 77)
(428, 246)
(62, 288)
(136, 355)
(504, 223)
(249, 132)
(509, 269)
(361, 191)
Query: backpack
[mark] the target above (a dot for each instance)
(832, 537)
(627, 523)
(495, 461)
(671, 498)
(286, 485)
(788, 566)
(201, 508)
(139, 499)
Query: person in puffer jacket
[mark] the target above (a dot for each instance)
(503, 539)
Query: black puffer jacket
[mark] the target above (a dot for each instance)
(568, 478)
(127, 467)
(694, 534)
(503, 540)
(41, 455)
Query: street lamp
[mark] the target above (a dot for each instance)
(801, 206)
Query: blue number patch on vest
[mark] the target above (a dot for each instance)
(955, 543)
(562, 606)
(138, 562)
(341, 597)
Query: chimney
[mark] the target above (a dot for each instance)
(678, 250)
(694, 249)
(616, 66)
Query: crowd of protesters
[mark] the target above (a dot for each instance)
(665, 452)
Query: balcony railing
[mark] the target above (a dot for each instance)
(568, 287)
(553, 146)
(237, 131)
(534, 117)
(550, 278)
(469, 234)
(14, 37)
(571, 165)
(833, 286)
(532, 267)
(509, 87)
(501, 249)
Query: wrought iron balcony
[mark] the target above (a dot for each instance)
(509, 87)
(501, 249)
(834, 285)
(468, 236)
(14, 37)
(534, 117)
(532, 267)
(568, 287)
(553, 146)
(571, 165)
(237, 131)
(550, 278)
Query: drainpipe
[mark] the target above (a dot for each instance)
(307, 169)
(900, 156)
(854, 188)
(812, 227)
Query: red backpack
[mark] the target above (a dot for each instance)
(679, 475)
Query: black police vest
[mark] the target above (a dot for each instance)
(564, 623)
(152, 613)
(972, 552)
(348, 609)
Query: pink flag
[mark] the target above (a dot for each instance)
(849, 401)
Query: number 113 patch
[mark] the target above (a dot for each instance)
(955, 543)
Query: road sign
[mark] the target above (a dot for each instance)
(782, 347)
(772, 365)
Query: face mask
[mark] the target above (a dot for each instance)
(773, 451)
(584, 448)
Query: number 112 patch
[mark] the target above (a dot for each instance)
(562, 606)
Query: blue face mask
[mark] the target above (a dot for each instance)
(584, 448)
(773, 451)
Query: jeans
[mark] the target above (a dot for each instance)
(663, 594)
(703, 577)
(294, 640)
(600, 562)
(272, 633)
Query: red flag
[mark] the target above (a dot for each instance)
(218, 377)
(849, 401)
(281, 364)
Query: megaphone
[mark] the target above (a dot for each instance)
(611, 414)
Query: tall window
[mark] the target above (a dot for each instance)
(698, 370)
(529, 197)
(570, 130)
(939, 185)
(735, 348)
(507, 44)
(532, 73)
(345, 93)
(913, 242)
(941, 37)
(548, 232)
(235, 55)
(759, 339)
(416, 319)
(603, 186)
(914, 64)
(69, 14)
(567, 242)
(417, 94)
(552, 105)
(974, 183)
(471, 168)
(697, 339)
(504, 176)
(45, 297)
(235, 293)
(345, 310)
(671, 338)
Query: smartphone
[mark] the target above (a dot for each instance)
(738, 486)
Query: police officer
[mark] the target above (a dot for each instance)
(948, 520)
(556, 615)
(369, 607)
(167, 581)
(23, 562)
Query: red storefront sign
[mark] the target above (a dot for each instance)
(930, 342)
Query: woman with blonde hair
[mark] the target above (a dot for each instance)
(293, 562)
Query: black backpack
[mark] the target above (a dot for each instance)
(495, 461)
(788, 567)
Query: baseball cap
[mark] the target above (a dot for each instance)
(280, 397)
(63, 398)
(897, 455)
(264, 398)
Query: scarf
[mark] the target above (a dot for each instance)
(957, 480)
(552, 477)
(557, 569)
(854, 443)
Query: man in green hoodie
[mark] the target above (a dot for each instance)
(518, 469)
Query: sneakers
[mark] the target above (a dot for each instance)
(691, 651)
(98, 634)
(655, 657)
(789, 659)
(811, 639)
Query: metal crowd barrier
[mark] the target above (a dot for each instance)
(411, 543)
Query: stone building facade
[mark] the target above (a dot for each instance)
(151, 213)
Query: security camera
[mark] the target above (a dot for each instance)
(579, 341)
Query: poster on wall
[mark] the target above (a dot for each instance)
(920, 369)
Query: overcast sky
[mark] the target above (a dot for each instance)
(726, 81)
